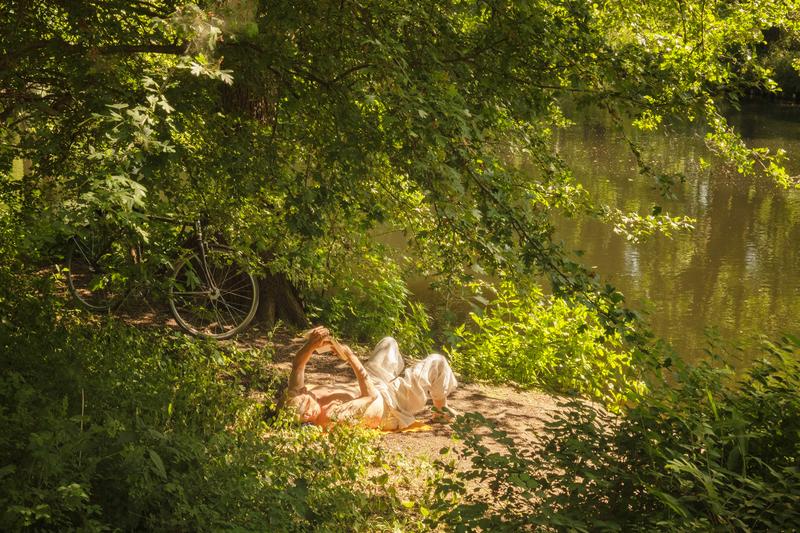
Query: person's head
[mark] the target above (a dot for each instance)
(305, 407)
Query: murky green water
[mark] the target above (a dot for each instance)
(738, 272)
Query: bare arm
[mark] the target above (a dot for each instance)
(365, 385)
(317, 338)
(366, 409)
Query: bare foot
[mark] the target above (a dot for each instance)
(444, 415)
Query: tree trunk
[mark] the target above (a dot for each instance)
(255, 95)
(280, 300)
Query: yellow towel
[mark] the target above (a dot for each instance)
(415, 427)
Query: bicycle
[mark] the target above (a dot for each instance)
(211, 294)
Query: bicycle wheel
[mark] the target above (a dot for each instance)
(217, 299)
(95, 270)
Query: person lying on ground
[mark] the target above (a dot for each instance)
(386, 395)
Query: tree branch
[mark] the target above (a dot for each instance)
(170, 49)
(349, 71)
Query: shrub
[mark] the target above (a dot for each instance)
(109, 427)
(365, 299)
(413, 331)
(701, 450)
(532, 340)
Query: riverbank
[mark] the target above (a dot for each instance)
(130, 424)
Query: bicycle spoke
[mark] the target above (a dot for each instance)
(219, 281)
(93, 261)
(226, 276)
(212, 295)
(242, 284)
(213, 272)
(190, 293)
(235, 321)
(80, 248)
(234, 306)
(220, 322)
(240, 304)
(241, 294)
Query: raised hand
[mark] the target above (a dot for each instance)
(341, 350)
(319, 338)
(347, 352)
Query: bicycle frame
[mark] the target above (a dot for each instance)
(203, 246)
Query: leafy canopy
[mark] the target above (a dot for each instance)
(298, 125)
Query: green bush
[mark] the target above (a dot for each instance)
(108, 427)
(701, 450)
(413, 331)
(365, 298)
(111, 427)
(532, 340)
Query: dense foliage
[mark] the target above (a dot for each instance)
(298, 130)
(296, 127)
(526, 338)
(701, 450)
(782, 52)
(362, 295)
(109, 427)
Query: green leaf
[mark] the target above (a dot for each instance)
(158, 464)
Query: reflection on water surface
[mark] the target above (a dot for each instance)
(739, 271)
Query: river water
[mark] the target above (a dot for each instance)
(738, 272)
